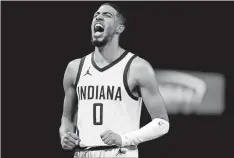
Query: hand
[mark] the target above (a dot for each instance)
(111, 138)
(69, 141)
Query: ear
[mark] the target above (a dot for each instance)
(120, 29)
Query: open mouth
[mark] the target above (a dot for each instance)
(98, 29)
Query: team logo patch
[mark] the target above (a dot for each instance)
(87, 72)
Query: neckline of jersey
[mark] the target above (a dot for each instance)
(109, 65)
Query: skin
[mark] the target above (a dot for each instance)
(68, 138)
(104, 55)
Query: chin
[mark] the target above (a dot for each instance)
(99, 42)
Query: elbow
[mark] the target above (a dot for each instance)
(165, 129)
(162, 126)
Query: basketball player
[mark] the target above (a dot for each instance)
(106, 88)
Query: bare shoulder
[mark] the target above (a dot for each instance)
(74, 64)
(140, 64)
(141, 69)
(71, 71)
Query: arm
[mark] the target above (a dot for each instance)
(70, 100)
(159, 125)
(151, 96)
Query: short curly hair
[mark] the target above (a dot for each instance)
(120, 12)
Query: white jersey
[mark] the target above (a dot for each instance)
(105, 101)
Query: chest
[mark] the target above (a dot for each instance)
(107, 75)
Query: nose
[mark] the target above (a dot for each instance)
(99, 17)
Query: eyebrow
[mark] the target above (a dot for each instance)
(104, 13)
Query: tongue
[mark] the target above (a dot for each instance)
(97, 33)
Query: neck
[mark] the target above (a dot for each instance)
(109, 52)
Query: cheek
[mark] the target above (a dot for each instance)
(110, 25)
(110, 29)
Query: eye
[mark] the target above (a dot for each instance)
(108, 15)
(95, 15)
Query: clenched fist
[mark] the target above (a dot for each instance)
(111, 138)
(69, 141)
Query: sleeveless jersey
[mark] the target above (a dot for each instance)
(104, 100)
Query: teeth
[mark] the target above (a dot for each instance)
(98, 25)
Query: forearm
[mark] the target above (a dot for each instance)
(156, 128)
(66, 126)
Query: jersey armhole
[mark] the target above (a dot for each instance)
(125, 76)
(79, 71)
(76, 131)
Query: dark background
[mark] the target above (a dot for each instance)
(40, 38)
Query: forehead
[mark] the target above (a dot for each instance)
(107, 8)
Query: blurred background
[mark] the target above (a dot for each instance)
(192, 92)
(189, 44)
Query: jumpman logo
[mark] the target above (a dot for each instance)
(87, 73)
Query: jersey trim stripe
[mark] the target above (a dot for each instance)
(77, 80)
(125, 78)
(110, 65)
(79, 71)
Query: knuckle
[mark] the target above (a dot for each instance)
(69, 139)
(65, 140)
(66, 137)
(66, 147)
